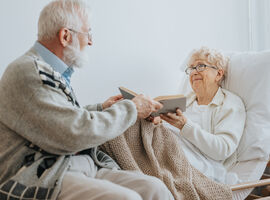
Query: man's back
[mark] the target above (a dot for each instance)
(11, 142)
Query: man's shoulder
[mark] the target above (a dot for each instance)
(29, 66)
(28, 62)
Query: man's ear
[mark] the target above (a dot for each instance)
(64, 37)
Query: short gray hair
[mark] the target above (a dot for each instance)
(59, 14)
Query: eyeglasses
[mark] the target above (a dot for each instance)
(89, 34)
(199, 68)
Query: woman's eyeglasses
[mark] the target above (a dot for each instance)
(198, 68)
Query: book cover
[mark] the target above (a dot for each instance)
(170, 102)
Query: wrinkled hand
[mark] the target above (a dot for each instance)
(112, 100)
(155, 120)
(145, 105)
(176, 119)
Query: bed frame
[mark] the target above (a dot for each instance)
(265, 181)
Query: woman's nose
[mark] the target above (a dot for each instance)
(194, 72)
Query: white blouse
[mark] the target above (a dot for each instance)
(212, 133)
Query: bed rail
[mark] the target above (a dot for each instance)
(251, 184)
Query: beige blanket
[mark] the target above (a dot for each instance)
(154, 150)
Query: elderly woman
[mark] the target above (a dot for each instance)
(211, 128)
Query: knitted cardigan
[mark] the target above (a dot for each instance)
(42, 126)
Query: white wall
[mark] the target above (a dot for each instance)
(259, 24)
(137, 44)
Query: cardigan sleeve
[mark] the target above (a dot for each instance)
(43, 115)
(223, 141)
(94, 107)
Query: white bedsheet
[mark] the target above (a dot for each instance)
(248, 171)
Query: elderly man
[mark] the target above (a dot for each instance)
(48, 141)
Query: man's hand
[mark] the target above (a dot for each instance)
(145, 105)
(176, 119)
(112, 100)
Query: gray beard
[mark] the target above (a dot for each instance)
(73, 57)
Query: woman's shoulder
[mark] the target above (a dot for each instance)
(232, 100)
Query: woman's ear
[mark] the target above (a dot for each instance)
(220, 74)
(64, 37)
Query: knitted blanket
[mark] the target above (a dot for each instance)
(155, 151)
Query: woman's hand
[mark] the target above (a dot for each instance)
(176, 119)
(155, 120)
(112, 100)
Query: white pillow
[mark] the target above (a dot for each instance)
(249, 77)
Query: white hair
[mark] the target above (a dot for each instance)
(59, 14)
(212, 56)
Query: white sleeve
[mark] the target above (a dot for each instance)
(222, 143)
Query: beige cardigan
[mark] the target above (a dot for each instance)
(35, 106)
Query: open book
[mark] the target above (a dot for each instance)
(170, 102)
